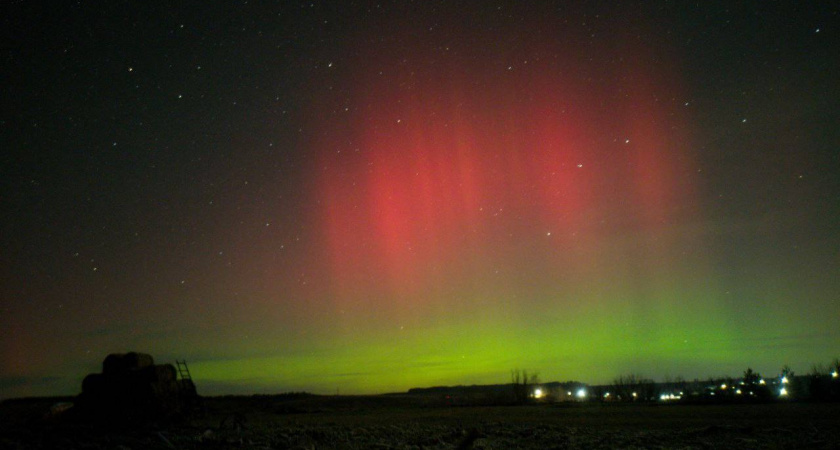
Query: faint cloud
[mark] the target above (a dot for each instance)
(17, 381)
(351, 374)
(25, 386)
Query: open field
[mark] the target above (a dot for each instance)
(406, 422)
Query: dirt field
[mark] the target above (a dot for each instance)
(395, 422)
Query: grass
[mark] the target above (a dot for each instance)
(397, 421)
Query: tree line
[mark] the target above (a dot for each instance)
(822, 383)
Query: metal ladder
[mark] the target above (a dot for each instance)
(183, 370)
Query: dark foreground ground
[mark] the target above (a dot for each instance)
(395, 422)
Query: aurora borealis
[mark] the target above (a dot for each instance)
(372, 197)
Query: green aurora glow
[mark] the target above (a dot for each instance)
(336, 199)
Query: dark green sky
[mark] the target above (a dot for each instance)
(375, 197)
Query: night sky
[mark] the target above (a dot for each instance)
(364, 198)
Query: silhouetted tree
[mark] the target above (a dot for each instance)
(630, 388)
(675, 385)
(523, 384)
(834, 380)
(751, 378)
(824, 381)
(790, 386)
(787, 372)
(754, 385)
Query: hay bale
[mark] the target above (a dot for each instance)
(132, 387)
(112, 364)
(121, 363)
(163, 373)
(187, 388)
(93, 384)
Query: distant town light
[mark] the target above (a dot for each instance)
(581, 393)
(783, 392)
(834, 374)
(761, 381)
(723, 386)
(738, 391)
(607, 395)
(569, 393)
(635, 395)
(538, 393)
(784, 380)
